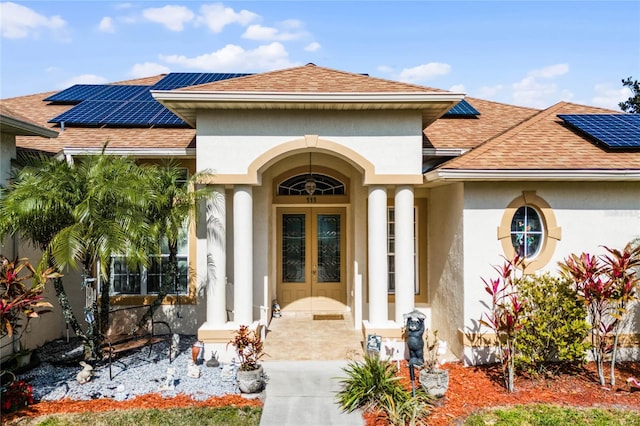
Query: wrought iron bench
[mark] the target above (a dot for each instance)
(124, 334)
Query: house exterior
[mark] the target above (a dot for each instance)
(340, 192)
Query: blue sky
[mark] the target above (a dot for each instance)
(523, 53)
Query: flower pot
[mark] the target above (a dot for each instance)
(434, 382)
(23, 359)
(251, 381)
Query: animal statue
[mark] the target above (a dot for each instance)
(414, 330)
(85, 375)
(175, 346)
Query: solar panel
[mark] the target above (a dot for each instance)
(176, 80)
(76, 93)
(118, 93)
(167, 118)
(615, 131)
(462, 108)
(133, 113)
(88, 112)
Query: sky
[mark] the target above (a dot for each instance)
(532, 54)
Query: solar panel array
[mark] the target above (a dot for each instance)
(126, 105)
(615, 131)
(462, 109)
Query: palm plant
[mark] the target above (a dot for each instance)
(79, 216)
(175, 199)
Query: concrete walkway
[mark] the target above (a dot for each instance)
(303, 393)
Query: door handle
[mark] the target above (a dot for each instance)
(314, 269)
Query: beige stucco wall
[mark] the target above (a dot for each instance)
(390, 140)
(446, 261)
(591, 215)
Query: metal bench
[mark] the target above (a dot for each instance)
(124, 334)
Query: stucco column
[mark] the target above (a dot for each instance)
(216, 257)
(404, 251)
(243, 254)
(377, 263)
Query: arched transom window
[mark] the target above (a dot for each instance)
(311, 184)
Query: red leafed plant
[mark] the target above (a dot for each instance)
(17, 394)
(506, 316)
(17, 299)
(606, 285)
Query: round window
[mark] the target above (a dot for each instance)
(526, 232)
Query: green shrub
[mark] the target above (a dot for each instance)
(556, 328)
(374, 385)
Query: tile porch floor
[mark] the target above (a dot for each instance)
(297, 336)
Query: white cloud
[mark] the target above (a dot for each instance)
(235, 58)
(260, 33)
(424, 72)
(172, 17)
(609, 97)
(216, 17)
(148, 69)
(312, 47)
(385, 69)
(106, 25)
(489, 92)
(17, 21)
(536, 90)
(458, 88)
(84, 79)
(124, 6)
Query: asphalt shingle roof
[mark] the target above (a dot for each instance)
(502, 137)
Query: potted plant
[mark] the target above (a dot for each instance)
(434, 380)
(250, 349)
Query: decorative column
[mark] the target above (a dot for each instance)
(243, 254)
(216, 257)
(404, 252)
(377, 263)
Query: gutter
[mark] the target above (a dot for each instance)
(541, 175)
(128, 152)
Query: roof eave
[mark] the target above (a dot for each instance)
(18, 127)
(462, 175)
(185, 103)
(129, 152)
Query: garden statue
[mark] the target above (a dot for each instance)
(213, 362)
(414, 329)
(169, 383)
(85, 375)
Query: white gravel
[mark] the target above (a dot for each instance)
(135, 373)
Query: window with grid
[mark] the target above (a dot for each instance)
(391, 248)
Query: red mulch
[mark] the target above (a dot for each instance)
(140, 402)
(474, 388)
(470, 389)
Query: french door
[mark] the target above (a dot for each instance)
(311, 258)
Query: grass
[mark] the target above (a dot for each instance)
(221, 416)
(549, 415)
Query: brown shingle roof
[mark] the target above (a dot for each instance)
(544, 142)
(467, 133)
(310, 78)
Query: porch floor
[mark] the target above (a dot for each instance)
(298, 336)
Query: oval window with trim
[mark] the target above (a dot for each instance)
(528, 228)
(527, 232)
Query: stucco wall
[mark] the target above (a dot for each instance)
(446, 260)
(591, 215)
(7, 153)
(387, 139)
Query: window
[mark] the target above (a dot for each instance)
(528, 228)
(324, 185)
(149, 280)
(526, 232)
(391, 248)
